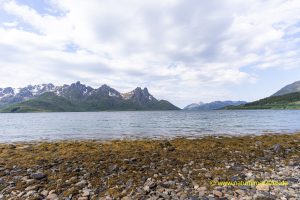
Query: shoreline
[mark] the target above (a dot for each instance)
(148, 138)
(176, 168)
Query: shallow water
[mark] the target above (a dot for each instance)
(144, 124)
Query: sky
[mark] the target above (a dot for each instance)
(184, 51)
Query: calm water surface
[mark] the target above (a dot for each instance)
(139, 124)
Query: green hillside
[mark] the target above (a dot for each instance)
(287, 101)
(50, 102)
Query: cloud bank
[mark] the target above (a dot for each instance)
(184, 51)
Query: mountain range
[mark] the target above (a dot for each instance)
(77, 97)
(215, 105)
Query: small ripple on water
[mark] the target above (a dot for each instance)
(117, 125)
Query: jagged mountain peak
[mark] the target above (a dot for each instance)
(107, 88)
(139, 90)
(104, 86)
(109, 91)
(78, 85)
(7, 90)
(142, 96)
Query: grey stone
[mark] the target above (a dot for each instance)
(81, 183)
(52, 196)
(38, 176)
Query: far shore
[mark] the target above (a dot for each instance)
(178, 168)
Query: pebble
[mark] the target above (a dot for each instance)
(45, 193)
(83, 198)
(34, 187)
(81, 183)
(263, 187)
(86, 192)
(52, 196)
(30, 193)
(217, 193)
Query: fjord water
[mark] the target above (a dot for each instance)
(144, 124)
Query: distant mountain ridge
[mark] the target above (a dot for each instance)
(193, 106)
(77, 97)
(215, 105)
(286, 98)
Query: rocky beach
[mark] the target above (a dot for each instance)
(216, 167)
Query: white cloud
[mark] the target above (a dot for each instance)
(177, 48)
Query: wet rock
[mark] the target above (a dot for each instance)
(100, 189)
(129, 184)
(150, 183)
(293, 180)
(168, 184)
(13, 172)
(167, 146)
(235, 178)
(185, 170)
(237, 168)
(38, 176)
(264, 196)
(113, 168)
(193, 198)
(277, 148)
(171, 148)
(2, 181)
